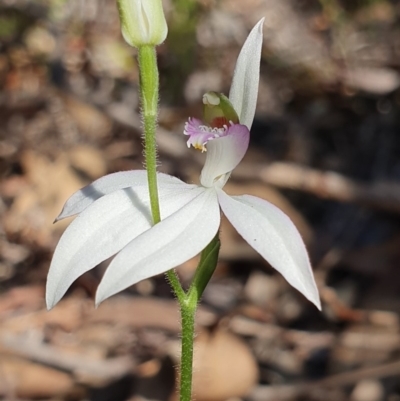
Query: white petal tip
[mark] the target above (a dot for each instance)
(50, 304)
(317, 304)
(312, 295)
(52, 296)
(59, 217)
(99, 298)
(62, 215)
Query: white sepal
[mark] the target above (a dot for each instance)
(83, 198)
(166, 245)
(244, 90)
(272, 234)
(105, 228)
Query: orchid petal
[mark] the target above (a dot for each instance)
(166, 245)
(81, 199)
(244, 89)
(273, 235)
(105, 228)
(224, 154)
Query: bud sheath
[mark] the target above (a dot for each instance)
(142, 22)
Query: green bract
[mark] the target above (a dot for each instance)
(142, 22)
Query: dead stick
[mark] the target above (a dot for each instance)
(34, 350)
(341, 379)
(330, 185)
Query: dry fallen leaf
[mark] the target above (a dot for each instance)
(89, 160)
(35, 207)
(224, 367)
(24, 379)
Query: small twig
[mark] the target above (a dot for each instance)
(35, 350)
(286, 392)
(330, 185)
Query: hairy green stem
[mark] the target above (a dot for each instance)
(176, 286)
(204, 271)
(149, 102)
(188, 312)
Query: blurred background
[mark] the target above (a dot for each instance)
(325, 148)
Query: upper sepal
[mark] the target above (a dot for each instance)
(244, 89)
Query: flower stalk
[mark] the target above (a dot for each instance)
(188, 307)
(149, 103)
(149, 92)
(188, 313)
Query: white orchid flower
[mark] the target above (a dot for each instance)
(114, 215)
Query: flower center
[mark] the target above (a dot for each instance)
(200, 134)
(218, 117)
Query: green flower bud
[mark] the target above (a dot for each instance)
(218, 110)
(142, 22)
